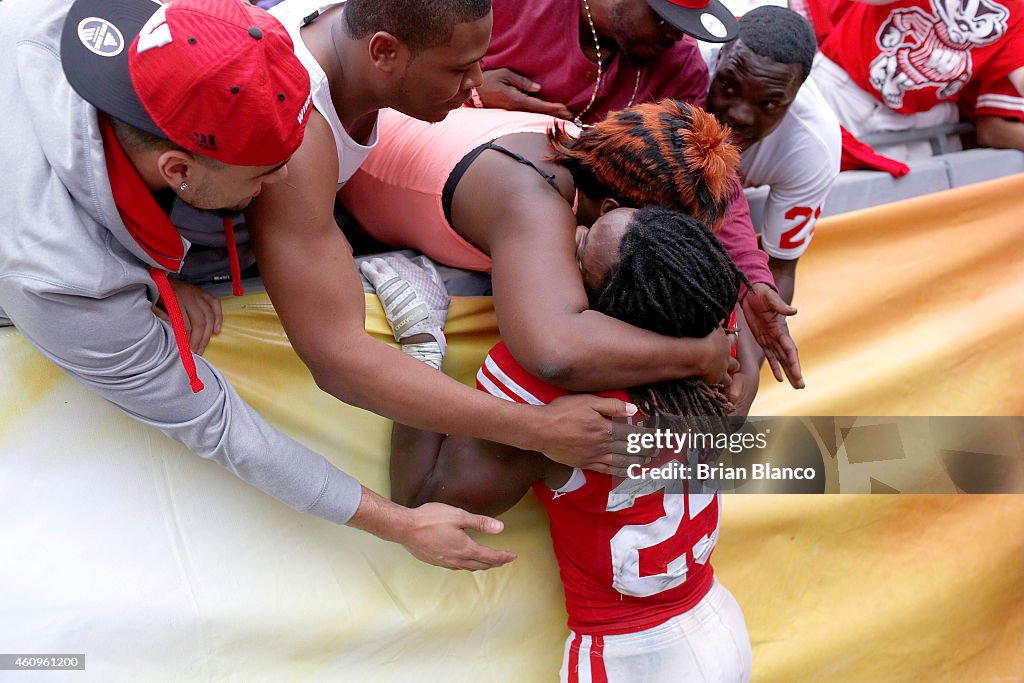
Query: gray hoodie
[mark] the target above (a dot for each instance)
(77, 286)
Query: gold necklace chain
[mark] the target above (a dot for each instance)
(600, 72)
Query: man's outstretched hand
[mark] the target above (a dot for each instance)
(437, 535)
(766, 312)
(434, 533)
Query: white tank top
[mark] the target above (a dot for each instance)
(295, 14)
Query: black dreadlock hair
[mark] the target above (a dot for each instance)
(675, 278)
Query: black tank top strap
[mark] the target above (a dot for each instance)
(549, 177)
(448, 193)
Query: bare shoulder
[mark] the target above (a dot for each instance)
(305, 197)
(536, 148)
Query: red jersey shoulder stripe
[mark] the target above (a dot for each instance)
(502, 376)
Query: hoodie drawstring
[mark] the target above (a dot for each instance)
(236, 270)
(178, 326)
(174, 309)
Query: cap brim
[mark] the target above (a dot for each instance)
(95, 56)
(712, 24)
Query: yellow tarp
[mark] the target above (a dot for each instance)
(160, 566)
(913, 308)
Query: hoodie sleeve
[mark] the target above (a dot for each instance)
(738, 237)
(116, 347)
(82, 297)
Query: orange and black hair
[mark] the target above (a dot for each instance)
(664, 153)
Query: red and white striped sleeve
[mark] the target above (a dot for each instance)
(997, 98)
(502, 376)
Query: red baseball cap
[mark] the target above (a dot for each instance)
(218, 77)
(707, 20)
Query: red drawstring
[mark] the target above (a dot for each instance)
(236, 270)
(174, 310)
(178, 325)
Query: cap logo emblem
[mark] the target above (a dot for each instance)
(100, 36)
(305, 108)
(155, 32)
(203, 141)
(714, 25)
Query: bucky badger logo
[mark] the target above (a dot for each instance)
(921, 50)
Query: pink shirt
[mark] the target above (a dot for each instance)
(539, 39)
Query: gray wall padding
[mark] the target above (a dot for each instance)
(860, 189)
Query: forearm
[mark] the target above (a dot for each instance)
(748, 352)
(743, 388)
(784, 272)
(740, 241)
(1000, 133)
(380, 517)
(264, 457)
(479, 476)
(374, 376)
(589, 351)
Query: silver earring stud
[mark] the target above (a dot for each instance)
(183, 187)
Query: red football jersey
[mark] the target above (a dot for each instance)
(631, 553)
(914, 54)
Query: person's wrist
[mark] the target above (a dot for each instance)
(400, 522)
(744, 290)
(381, 517)
(534, 436)
(702, 356)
